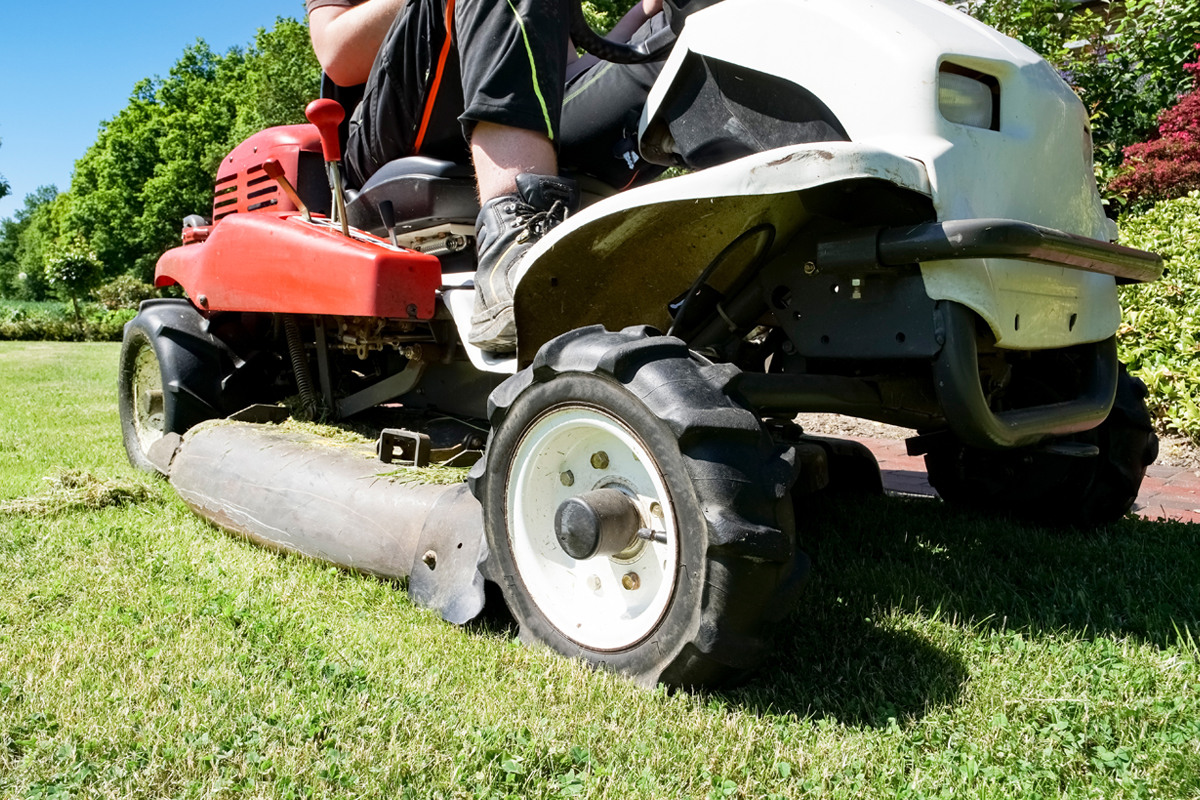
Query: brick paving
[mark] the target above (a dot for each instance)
(1167, 492)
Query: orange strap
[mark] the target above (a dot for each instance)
(437, 78)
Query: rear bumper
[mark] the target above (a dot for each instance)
(956, 240)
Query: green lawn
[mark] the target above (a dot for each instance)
(145, 654)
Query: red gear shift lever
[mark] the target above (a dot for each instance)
(327, 115)
(276, 173)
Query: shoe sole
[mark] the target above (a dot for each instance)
(495, 332)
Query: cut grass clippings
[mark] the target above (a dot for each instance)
(434, 474)
(934, 654)
(80, 490)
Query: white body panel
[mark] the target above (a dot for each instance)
(875, 64)
(642, 247)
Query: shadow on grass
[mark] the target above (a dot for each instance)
(876, 556)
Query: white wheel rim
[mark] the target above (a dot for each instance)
(147, 391)
(585, 599)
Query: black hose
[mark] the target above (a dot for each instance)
(304, 384)
(655, 48)
(765, 227)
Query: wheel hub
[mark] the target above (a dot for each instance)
(582, 489)
(600, 523)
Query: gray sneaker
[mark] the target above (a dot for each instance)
(506, 228)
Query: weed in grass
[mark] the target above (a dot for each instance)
(80, 490)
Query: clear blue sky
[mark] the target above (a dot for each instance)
(66, 66)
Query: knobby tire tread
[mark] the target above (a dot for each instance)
(752, 572)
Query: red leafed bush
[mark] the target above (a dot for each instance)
(1168, 165)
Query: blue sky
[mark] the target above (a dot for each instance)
(67, 66)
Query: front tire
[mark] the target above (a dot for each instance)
(1051, 485)
(169, 376)
(639, 413)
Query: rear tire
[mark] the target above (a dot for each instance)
(638, 412)
(1050, 488)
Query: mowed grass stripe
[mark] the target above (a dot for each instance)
(145, 654)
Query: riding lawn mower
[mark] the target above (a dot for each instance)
(887, 210)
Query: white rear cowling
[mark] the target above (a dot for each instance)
(875, 64)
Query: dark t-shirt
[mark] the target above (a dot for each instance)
(342, 3)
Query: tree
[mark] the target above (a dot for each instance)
(1168, 165)
(72, 270)
(11, 251)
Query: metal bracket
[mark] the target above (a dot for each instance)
(414, 447)
(400, 383)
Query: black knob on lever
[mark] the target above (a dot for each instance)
(388, 214)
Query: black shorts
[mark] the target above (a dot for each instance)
(446, 65)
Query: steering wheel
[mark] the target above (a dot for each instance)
(655, 48)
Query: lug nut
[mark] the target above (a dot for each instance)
(600, 460)
(631, 581)
(656, 510)
(567, 478)
(430, 559)
(593, 583)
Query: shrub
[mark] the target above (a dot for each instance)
(1168, 165)
(1160, 336)
(125, 291)
(53, 322)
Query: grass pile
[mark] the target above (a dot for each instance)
(80, 490)
(935, 654)
(434, 474)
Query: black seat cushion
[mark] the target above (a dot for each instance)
(424, 192)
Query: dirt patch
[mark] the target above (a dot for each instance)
(850, 427)
(1175, 451)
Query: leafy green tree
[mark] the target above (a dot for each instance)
(21, 251)
(72, 271)
(281, 76)
(11, 229)
(153, 163)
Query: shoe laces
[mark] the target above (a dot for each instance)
(536, 222)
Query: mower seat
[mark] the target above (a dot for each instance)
(425, 193)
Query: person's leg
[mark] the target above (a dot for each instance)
(513, 59)
(601, 110)
(513, 55)
(501, 153)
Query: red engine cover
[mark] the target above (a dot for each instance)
(242, 185)
(278, 263)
